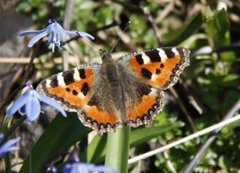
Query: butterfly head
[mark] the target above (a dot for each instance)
(104, 55)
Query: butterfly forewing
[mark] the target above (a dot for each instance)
(82, 90)
(159, 67)
(72, 88)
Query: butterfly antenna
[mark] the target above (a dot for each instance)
(114, 45)
(89, 43)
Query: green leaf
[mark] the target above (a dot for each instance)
(231, 78)
(137, 137)
(58, 137)
(117, 149)
(175, 37)
(218, 30)
(96, 150)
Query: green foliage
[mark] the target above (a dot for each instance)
(178, 35)
(57, 138)
(212, 79)
(140, 32)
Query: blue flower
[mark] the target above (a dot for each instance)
(29, 103)
(8, 146)
(55, 34)
(78, 167)
(86, 168)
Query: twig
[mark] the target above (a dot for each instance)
(145, 11)
(25, 60)
(209, 50)
(153, 23)
(25, 78)
(129, 7)
(29, 66)
(113, 24)
(12, 129)
(185, 139)
(210, 140)
(195, 104)
(169, 163)
(56, 60)
(67, 14)
(66, 24)
(185, 111)
(169, 7)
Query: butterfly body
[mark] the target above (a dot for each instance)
(108, 93)
(126, 91)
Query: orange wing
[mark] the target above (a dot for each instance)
(72, 88)
(97, 119)
(143, 112)
(159, 67)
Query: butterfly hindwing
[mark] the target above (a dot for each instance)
(100, 120)
(149, 105)
(141, 100)
(99, 112)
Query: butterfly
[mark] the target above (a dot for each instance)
(129, 90)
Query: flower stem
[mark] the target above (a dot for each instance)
(117, 149)
(9, 131)
(30, 64)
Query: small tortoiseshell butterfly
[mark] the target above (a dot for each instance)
(126, 91)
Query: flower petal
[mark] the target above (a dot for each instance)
(22, 110)
(52, 103)
(77, 168)
(38, 37)
(80, 34)
(1, 137)
(55, 32)
(8, 146)
(87, 166)
(33, 108)
(22, 100)
(31, 32)
(10, 142)
(84, 34)
(103, 169)
(67, 168)
(57, 28)
(70, 32)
